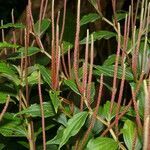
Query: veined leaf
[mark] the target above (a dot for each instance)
(14, 78)
(12, 126)
(98, 126)
(62, 119)
(102, 143)
(110, 60)
(109, 71)
(140, 97)
(94, 3)
(106, 111)
(45, 74)
(4, 96)
(12, 25)
(89, 18)
(72, 85)
(73, 126)
(57, 139)
(42, 60)
(99, 35)
(92, 91)
(32, 77)
(21, 53)
(54, 95)
(35, 110)
(45, 23)
(120, 16)
(128, 131)
(7, 71)
(66, 47)
(8, 45)
(6, 68)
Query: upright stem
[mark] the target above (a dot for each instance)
(42, 111)
(30, 136)
(146, 132)
(116, 69)
(76, 48)
(28, 30)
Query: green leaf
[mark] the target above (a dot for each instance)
(12, 126)
(8, 72)
(89, 18)
(110, 60)
(99, 35)
(22, 54)
(14, 79)
(2, 146)
(12, 25)
(129, 48)
(48, 147)
(42, 60)
(31, 51)
(109, 71)
(95, 4)
(120, 16)
(102, 143)
(8, 45)
(35, 110)
(45, 74)
(45, 23)
(72, 85)
(128, 131)
(73, 126)
(106, 111)
(32, 79)
(57, 139)
(54, 95)
(66, 47)
(47, 127)
(143, 58)
(80, 72)
(3, 97)
(62, 119)
(92, 91)
(140, 97)
(141, 101)
(6, 68)
(98, 126)
(31, 69)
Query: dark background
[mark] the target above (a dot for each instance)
(6, 7)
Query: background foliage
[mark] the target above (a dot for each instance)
(75, 75)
